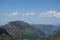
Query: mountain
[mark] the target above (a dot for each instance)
(55, 37)
(23, 31)
(49, 30)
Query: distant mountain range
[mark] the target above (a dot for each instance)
(19, 30)
(49, 30)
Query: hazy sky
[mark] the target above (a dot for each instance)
(30, 11)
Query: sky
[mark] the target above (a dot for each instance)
(30, 11)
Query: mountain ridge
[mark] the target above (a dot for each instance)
(23, 30)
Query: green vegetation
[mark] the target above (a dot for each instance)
(30, 36)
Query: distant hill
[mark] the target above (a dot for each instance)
(49, 30)
(23, 31)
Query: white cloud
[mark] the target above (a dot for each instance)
(13, 14)
(51, 13)
(29, 14)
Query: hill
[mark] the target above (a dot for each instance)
(49, 30)
(23, 31)
(55, 37)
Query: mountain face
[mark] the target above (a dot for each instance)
(4, 35)
(23, 30)
(49, 30)
(3, 31)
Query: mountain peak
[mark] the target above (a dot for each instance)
(23, 30)
(17, 22)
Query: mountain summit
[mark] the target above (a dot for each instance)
(23, 30)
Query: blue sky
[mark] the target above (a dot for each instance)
(30, 11)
